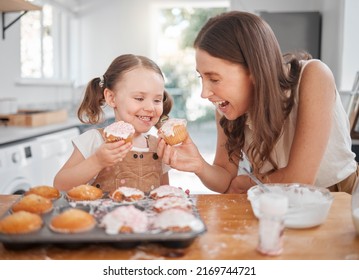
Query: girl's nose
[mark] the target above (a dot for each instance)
(148, 106)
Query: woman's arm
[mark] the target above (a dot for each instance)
(186, 157)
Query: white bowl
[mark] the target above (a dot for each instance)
(308, 205)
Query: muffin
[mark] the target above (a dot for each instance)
(20, 222)
(44, 191)
(173, 131)
(170, 202)
(119, 131)
(33, 203)
(127, 194)
(125, 219)
(72, 220)
(84, 192)
(177, 220)
(167, 191)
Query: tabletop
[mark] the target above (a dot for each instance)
(232, 233)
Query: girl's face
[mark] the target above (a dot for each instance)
(138, 98)
(227, 85)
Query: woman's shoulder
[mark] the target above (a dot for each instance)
(315, 71)
(315, 67)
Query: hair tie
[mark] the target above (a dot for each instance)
(102, 81)
(163, 118)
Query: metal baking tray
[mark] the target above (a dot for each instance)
(45, 236)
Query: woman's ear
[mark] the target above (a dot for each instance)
(109, 97)
(252, 79)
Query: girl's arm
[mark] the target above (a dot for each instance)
(165, 179)
(317, 95)
(78, 170)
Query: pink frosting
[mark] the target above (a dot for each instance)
(128, 192)
(177, 218)
(172, 202)
(119, 129)
(167, 190)
(167, 127)
(128, 216)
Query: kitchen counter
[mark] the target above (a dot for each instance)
(10, 134)
(232, 234)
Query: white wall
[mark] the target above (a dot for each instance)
(106, 29)
(116, 28)
(110, 30)
(331, 25)
(29, 95)
(350, 44)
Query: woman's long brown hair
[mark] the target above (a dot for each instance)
(246, 39)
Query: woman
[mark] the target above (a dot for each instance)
(282, 113)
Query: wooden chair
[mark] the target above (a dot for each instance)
(353, 112)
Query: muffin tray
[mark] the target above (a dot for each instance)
(98, 235)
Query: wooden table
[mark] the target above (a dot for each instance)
(232, 234)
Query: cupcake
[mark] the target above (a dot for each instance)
(20, 222)
(177, 220)
(127, 194)
(44, 191)
(72, 220)
(84, 192)
(173, 131)
(170, 202)
(125, 219)
(33, 203)
(119, 131)
(167, 191)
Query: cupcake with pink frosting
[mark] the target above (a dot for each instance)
(125, 219)
(119, 131)
(173, 131)
(127, 194)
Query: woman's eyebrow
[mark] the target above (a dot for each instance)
(208, 73)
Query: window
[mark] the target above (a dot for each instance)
(177, 27)
(43, 44)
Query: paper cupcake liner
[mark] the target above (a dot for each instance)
(180, 134)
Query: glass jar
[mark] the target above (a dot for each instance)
(271, 223)
(355, 205)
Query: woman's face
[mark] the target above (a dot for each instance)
(138, 98)
(227, 85)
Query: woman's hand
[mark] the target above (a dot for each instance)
(108, 154)
(183, 157)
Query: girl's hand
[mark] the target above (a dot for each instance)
(183, 157)
(108, 154)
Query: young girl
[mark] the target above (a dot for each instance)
(134, 87)
(285, 116)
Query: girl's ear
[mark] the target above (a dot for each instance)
(109, 97)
